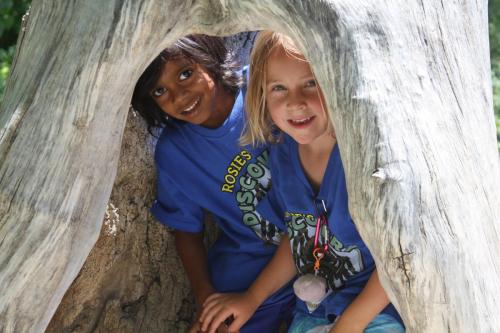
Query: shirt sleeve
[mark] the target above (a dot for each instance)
(173, 208)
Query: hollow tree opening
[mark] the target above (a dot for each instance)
(408, 88)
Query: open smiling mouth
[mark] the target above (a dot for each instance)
(301, 122)
(191, 109)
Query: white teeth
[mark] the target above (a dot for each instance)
(300, 121)
(191, 107)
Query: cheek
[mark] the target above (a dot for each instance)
(273, 107)
(317, 103)
(275, 103)
(166, 108)
(274, 117)
(206, 81)
(168, 112)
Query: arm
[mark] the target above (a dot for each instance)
(368, 304)
(218, 307)
(193, 256)
(278, 272)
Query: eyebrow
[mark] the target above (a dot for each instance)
(185, 62)
(308, 77)
(311, 76)
(181, 64)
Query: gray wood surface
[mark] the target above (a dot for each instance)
(409, 92)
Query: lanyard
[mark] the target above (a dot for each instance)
(320, 245)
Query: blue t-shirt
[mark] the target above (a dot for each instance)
(348, 263)
(206, 169)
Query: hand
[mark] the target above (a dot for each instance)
(218, 307)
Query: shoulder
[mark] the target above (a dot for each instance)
(169, 144)
(281, 152)
(337, 165)
(167, 136)
(237, 118)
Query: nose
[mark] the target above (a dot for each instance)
(178, 94)
(296, 100)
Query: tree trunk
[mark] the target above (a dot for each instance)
(132, 280)
(408, 88)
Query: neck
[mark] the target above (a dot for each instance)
(314, 158)
(320, 147)
(224, 103)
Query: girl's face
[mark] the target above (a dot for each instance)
(186, 91)
(293, 99)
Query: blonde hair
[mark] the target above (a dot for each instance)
(258, 129)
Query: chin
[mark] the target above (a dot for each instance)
(302, 140)
(199, 120)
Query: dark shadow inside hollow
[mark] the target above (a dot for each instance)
(133, 281)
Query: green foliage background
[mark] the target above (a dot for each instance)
(11, 12)
(494, 18)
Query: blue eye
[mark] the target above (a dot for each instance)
(278, 87)
(311, 83)
(185, 74)
(158, 92)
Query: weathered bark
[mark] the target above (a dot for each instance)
(132, 280)
(409, 93)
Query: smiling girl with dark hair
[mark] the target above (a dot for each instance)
(195, 91)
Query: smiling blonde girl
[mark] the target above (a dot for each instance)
(338, 287)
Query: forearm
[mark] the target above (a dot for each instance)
(366, 306)
(279, 271)
(193, 256)
(242, 306)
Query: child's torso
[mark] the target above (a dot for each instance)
(348, 263)
(211, 169)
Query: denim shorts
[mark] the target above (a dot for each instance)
(383, 323)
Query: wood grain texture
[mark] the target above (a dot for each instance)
(409, 92)
(132, 280)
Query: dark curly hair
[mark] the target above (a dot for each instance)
(208, 51)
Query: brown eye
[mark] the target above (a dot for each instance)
(158, 92)
(185, 74)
